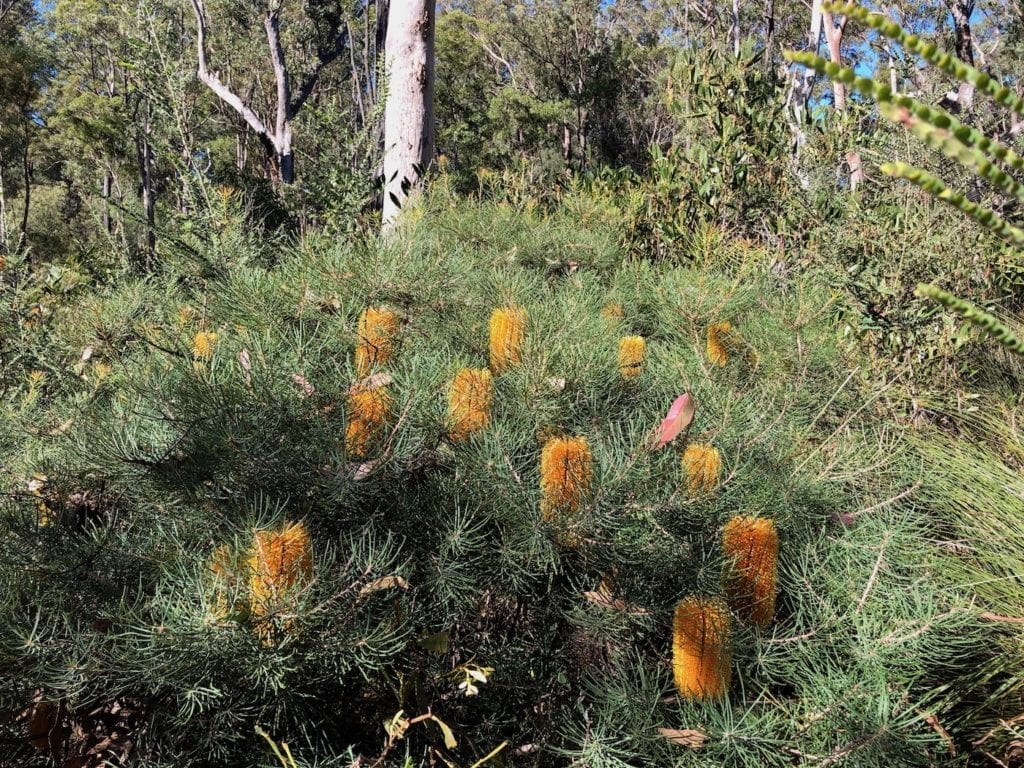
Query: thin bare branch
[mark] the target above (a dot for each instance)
(214, 83)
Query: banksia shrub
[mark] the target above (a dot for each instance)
(631, 356)
(701, 652)
(425, 555)
(469, 402)
(367, 410)
(702, 465)
(377, 331)
(719, 340)
(204, 344)
(507, 329)
(280, 562)
(566, 476)
(751, 545)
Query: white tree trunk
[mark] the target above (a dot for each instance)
(735, 29)
(409, 110)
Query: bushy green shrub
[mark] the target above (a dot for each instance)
(190, 412)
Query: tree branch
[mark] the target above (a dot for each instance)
(222, 91)
(340, 44)
(272, 23)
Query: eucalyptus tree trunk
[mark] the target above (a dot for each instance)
(834, 32)
(409, 109)
(963, 43)
(734, 29)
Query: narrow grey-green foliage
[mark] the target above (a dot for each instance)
(428, 537)
(975, 316)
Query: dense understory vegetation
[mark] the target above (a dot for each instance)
(635, 443)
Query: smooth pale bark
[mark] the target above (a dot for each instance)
(834, 38)
(769, 33)
(801, 83)
(409, 109)
(735, 29)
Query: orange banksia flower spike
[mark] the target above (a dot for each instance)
(752, 546)
(507, 329)
(701, 651)
(469, 402)
(280, 562)
(377, 331)
(631, 356)
(368, 411)
(719, 339)
(566, 476)
(203, 345)
(703, 466)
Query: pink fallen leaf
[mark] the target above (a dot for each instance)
(680, 415)
(301, 380)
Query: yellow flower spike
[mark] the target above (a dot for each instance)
(566, 476)
(631, 356)
(507, 329)
(37, 486)
(223, 569)
(719, 337)
(701, 651)
(703, 467)
(279, 563)
(367, 411)
(203, 345)
(469, 402)
(752, 546)
(377, 330)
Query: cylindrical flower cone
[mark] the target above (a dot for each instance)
(566, 478)
(377, 331)
(701, 651)
(631, 356)
(469, 402)
(718, 343)
(507, 330)
(280, 562)
(368, 411)
(204, 344)
(703, 467)
(752, 546)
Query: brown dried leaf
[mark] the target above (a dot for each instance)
(602, 597)
(384, 582)
(371, 383)
(362, 471)
(693, 739)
